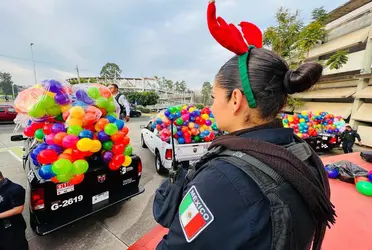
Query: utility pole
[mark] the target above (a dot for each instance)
(78, 75)
(33, 61)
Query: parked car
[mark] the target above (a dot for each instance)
(7, 113)
(133, 112)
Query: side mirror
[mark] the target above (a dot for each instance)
(17, 138)
(142, 126)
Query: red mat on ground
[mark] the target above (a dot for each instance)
(354, 215)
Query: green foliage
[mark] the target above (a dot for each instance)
(311, 35)
(73, 81)
(199, 105)
(206, 92)
(93, 80)
(320, 15)
(110, 70)
(142, 98)
(6, 84)
(337, 60)
(294, 103)
(286, 32)
(83, 80)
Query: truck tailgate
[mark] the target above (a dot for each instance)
(191, 152)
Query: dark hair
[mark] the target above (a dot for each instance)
(115, 85)
(271, 79)
(1, 175)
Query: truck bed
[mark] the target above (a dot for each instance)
(191, 152)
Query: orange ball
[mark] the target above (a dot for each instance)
(118, 137)
(58, 138)
(125, 130)
(105, 92)
(65, 156)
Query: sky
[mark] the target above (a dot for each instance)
(145, 38)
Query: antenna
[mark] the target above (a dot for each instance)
(174, 171)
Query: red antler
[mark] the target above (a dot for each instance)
(226, 35)
(252, 34)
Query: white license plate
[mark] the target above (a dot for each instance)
(100, 197)
(324, 138)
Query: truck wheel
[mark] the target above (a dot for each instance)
(143, 144)
(160, 169)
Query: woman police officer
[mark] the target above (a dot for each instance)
(217, 205)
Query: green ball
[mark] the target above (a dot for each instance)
(196, 138)
(46, 101)
(101, 102)
(364, 187)
(178, 108)
(64, 177)
(214, 126)
(74, 130)
(93, 92)
(113, 114)
(54, 110)
(59, 117)
(39, 134)
(179, 121)
(172, 109)
(111, 107)
(62, 166)
(80, 167)
(107, 145)
(128, 150)
(111, 129)
(37, 111)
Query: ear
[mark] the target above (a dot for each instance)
(237, 100)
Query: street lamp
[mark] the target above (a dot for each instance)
(33, 62)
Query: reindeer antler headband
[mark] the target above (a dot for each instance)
(231, 38)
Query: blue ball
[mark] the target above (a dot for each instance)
(178, 114)
(86, 134)
(102, 136)
(36, 163)
(181, 140)
(46, 172)
(167, 113)
(111, 118)
(119, 124)
(159, 121)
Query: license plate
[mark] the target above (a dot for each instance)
(324, 138)
(100, 197)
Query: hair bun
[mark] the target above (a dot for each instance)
(302, 78)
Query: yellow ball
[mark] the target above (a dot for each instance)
(77, 112)
(75, 122)
(65, 108)
(127, 161)
(85, 145)
(51, 94)
(191, 109)
(96, 146)
(205, 116)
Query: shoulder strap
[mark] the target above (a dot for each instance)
(118, 96)
(300, 150)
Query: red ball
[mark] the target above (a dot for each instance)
(47, 156)
(113, 166)
(118, 149)
(29, 131)
(118, 159)
(47, 129)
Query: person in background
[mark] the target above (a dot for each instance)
(122, 101)
(6, 98)
(348, 139)
(12, 224)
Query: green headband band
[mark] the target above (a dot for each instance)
(243, 70)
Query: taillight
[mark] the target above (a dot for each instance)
(333, 140)
(139, 166)
(37, 199)
(168, 154)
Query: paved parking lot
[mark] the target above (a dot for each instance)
(115, 228)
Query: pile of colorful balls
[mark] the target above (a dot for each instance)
(191, 125)
(308, 124)
(72, 127)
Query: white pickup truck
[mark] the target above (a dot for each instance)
(184, 153)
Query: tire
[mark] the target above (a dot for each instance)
(160, 169)
(143, 144)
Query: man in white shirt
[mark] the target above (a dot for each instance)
(121, 100)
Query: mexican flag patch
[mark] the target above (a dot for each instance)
(194, 214)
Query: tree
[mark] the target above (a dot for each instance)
(6, 84)
(294, 103)
(177, 86)
(110, 70)
(337, 60)
(183, 86)
(320, 15)
(169, 85)
(142, 98)
(206, 92)
(282, 36)
(311, 35)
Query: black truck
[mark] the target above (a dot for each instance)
(53, 206)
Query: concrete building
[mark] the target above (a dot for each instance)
(167, 98)
(346, 91)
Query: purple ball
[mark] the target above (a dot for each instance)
(56, 148)
(52, 86)
(102, 136)
(81, 95)
(107, 156)
(62, 99)
(58, 127)
(208, 122)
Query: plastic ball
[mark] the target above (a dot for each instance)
(80, 167)
(47, 156)
(62, 99)
(119, 124)
(111, 118)
(128, 150)
(77, 112)
(127, 161)
(84, 145)
(113, 165)
(46, 172)
(103, 137)
(58, 138)
(86, 134)
(57, 128)
(96, 146)
(54, 111)
(65, 156)
(47, 129)
(77, 179)
(101, 102)
(333, 174)
(364, 188)
(107, 145)
(70, 141)
(74, 130)
(56, 148)
(93, 92)
(111, 129)
(107, 156)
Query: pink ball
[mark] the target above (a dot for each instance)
(49, 139)
(70, 141)
(185, 117)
